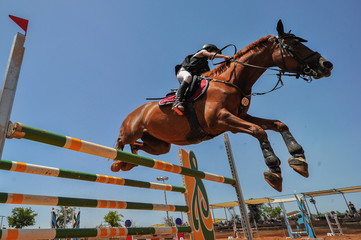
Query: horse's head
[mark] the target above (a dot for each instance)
(293, 56)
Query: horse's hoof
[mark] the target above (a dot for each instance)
(119, 165)
(116, 166)
(273, 179)
(299, 165)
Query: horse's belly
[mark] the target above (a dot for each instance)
(167, 126)
(175, 133)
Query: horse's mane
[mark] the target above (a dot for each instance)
(249, 49)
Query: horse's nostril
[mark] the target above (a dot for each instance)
(327, 64)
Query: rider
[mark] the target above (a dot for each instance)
(194, 64)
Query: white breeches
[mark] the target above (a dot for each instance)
(184, 75)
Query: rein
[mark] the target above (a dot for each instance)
(278, 85)
(281, 72)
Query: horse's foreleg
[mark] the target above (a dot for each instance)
(298, 159)
(234, 124)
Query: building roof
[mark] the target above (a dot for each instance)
(251, 202)
(271, 200)
(333, 191)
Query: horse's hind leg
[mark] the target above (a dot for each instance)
(125, 138)
(124, 166)
(153, 145)
(150, 145)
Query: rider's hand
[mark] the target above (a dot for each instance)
(227, 58)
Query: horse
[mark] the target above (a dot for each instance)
(225, 104)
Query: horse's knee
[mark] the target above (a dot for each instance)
(280, 126)
(258, 132)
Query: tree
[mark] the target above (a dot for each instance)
(271, 212)
(21, 217)
(60, 214)
(255, 211)
(113, 218)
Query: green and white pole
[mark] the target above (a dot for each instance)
(26, 199)
(19, 130)
(15, 234)
(63, 173)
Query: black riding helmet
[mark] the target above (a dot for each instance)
(211, 47)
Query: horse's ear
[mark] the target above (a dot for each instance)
(280, 29)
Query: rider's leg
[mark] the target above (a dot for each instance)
(184, 75)
(185, 78)
(177, 105)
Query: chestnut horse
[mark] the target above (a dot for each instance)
(225, 104)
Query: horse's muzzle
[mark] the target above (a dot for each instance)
(322, 69)
(326, 64)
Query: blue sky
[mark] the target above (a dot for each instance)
(88, 64)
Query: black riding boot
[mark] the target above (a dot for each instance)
(177, 105)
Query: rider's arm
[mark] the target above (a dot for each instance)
(205, 53)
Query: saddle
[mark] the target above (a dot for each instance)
(198, 87)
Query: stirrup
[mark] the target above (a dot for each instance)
(178, 108)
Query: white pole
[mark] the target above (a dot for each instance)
(1, 224)
(8, 89)
(65, 215)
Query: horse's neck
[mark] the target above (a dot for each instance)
(245, 76)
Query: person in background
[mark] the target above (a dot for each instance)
(352, 209)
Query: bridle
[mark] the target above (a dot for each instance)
(306, 73)
(284, 47)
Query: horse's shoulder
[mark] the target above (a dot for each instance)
(222, 92)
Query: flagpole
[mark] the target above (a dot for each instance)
(10, 82)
